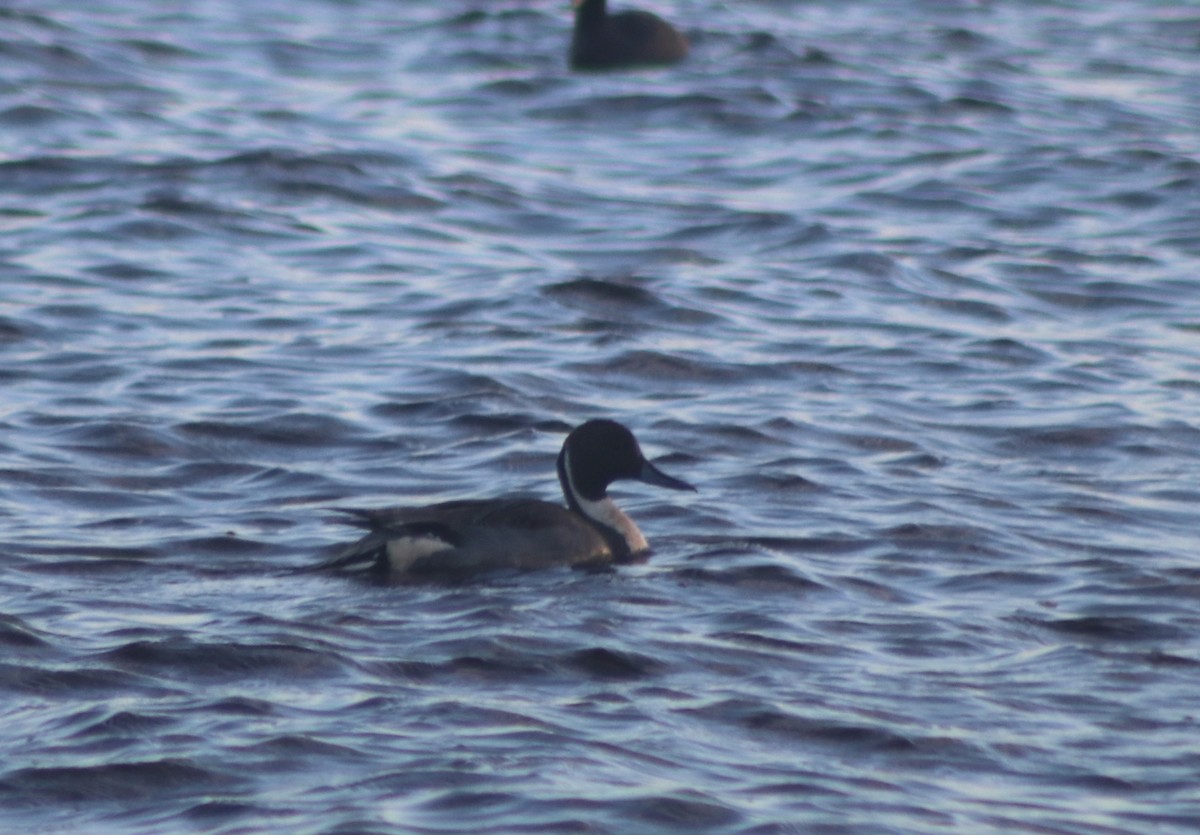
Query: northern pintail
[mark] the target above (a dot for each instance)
(467, 537)
(603, 41)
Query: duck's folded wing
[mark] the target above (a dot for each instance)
(386, 527)
(397, 518)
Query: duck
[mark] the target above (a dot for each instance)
(631, 38)
(468, 537)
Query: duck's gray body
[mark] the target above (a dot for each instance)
(469, 537)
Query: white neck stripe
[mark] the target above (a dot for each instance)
(605, 512)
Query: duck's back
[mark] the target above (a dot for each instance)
(626, 39)
(467, 537)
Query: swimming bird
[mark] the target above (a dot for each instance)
(461, 538)
(603, 41)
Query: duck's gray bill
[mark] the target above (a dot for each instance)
(653, 475)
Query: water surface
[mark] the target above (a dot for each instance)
(911, 291)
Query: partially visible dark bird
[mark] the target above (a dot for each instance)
(604, 41)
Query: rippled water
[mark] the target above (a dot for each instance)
(911, 291)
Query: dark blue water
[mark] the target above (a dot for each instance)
(910, 290)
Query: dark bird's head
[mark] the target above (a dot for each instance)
(599, 452)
